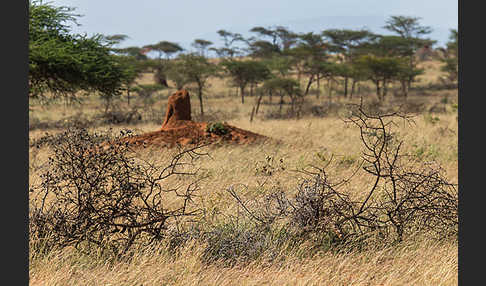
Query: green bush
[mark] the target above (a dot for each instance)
(217, 128)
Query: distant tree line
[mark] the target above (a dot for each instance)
(273, 60)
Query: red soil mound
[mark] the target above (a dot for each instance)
(179, 129)
(190, 132)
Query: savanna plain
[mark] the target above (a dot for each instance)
(234, 229)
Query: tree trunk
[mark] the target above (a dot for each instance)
(242, 92)
(309, 83)
(258, 103)
(410, 79)
(345, 86)
(385, 89)
(353, 86)
(404, 88)
(252, 113)
(199, 94)
(128, 95)
(378, 90)
(299, 106)
(329, 83)
(292, 104)
(107, 103)
(318, 87)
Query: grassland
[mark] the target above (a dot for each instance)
(310, 140)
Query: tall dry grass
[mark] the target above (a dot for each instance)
(299, 143)
(420, 262)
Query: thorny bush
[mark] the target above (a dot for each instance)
(406, 195)
(107, 196)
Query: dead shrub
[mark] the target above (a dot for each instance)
(406, 195)
(107, 197)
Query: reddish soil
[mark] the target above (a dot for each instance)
(179, 129)
(178, 108)
(194, 133)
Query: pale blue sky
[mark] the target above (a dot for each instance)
(151, 21)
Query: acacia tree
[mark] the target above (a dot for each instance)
(311, 59)
(163, 48)
(132, 58)
(347, 43)
(115, 39)
(64, 63)
(271, 45)
(245, 72)
(262, 49)
(281, 66)
(133, 51)
(407, 27)
(281, 87)
(192, 68)
(201, 46)
(450, 59)
(410, 30)
(381, 71)
(287, 39)
(229, 50)
(397, 47)
(132, 70)
(280, 41)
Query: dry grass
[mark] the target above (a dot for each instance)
(412, 263)
(432, 71)
(303, 142)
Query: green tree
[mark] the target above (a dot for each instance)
(244, 73)
(450, 58)
(282, 87)
(134, 61)
(382, 71)
(201, 46)
(192, 68)
(64, 63)
(412, 33)
(163, 48)
(287, 39)
(281, 66)
(271, 41)
(280, 38)
(407, 27)
(311, 59)
(116, 39)
(133, 69)
(347, 43)
(229, 50)
(133, 51)
(398, 47)
(262, 49)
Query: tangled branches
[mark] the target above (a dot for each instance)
(414, 195)
(405, 195)
(107, 195)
